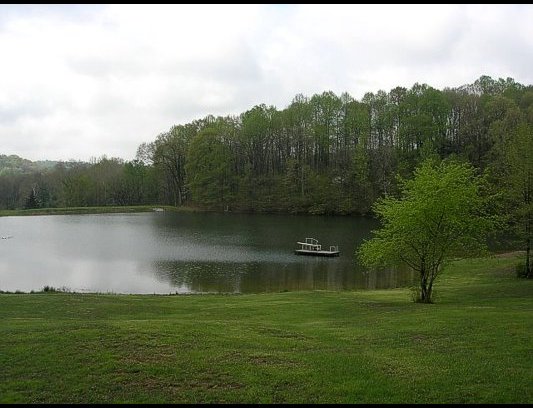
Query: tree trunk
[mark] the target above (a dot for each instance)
(425, 295)
(180, 201)
(529, 273)
(426, 284)
(430, 289)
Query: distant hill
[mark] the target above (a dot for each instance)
(14, 164)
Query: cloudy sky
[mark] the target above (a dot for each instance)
(81, 81)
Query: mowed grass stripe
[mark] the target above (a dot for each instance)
(472, 346)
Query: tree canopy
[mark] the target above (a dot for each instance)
(440, 214)
(519, 187)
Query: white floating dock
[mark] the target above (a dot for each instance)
(313, 248)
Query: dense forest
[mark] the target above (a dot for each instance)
(324, 154)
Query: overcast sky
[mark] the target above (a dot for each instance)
(81, 81)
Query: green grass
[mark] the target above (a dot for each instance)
(474, 345)
(94, 210)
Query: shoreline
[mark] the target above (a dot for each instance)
(47, 290)
(152, 208)
(96, 210)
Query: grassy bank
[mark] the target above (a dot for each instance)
(472, 346)
(95, 210)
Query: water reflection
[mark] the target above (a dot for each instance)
(255, 277)
(184, 253)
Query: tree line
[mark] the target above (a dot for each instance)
(324, 154)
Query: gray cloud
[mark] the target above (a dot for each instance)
(82, 81)
(63, 12)
(11, 113)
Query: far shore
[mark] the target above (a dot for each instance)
(150, 208)
(98, 210)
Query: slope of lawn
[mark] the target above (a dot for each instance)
(474, 345)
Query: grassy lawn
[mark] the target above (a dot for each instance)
(473, 346)
(94, 210)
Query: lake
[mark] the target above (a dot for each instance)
(167, 252)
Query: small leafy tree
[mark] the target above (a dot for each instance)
(519, 187)
(440, 215)
(31, 200)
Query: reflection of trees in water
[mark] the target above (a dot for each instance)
(253, 253)
(310, 274)
(201, 276)
(388, 278)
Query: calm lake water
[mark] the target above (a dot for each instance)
(164, 252)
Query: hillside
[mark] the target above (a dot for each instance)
(14, 164)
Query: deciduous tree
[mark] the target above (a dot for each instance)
(440, 215)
